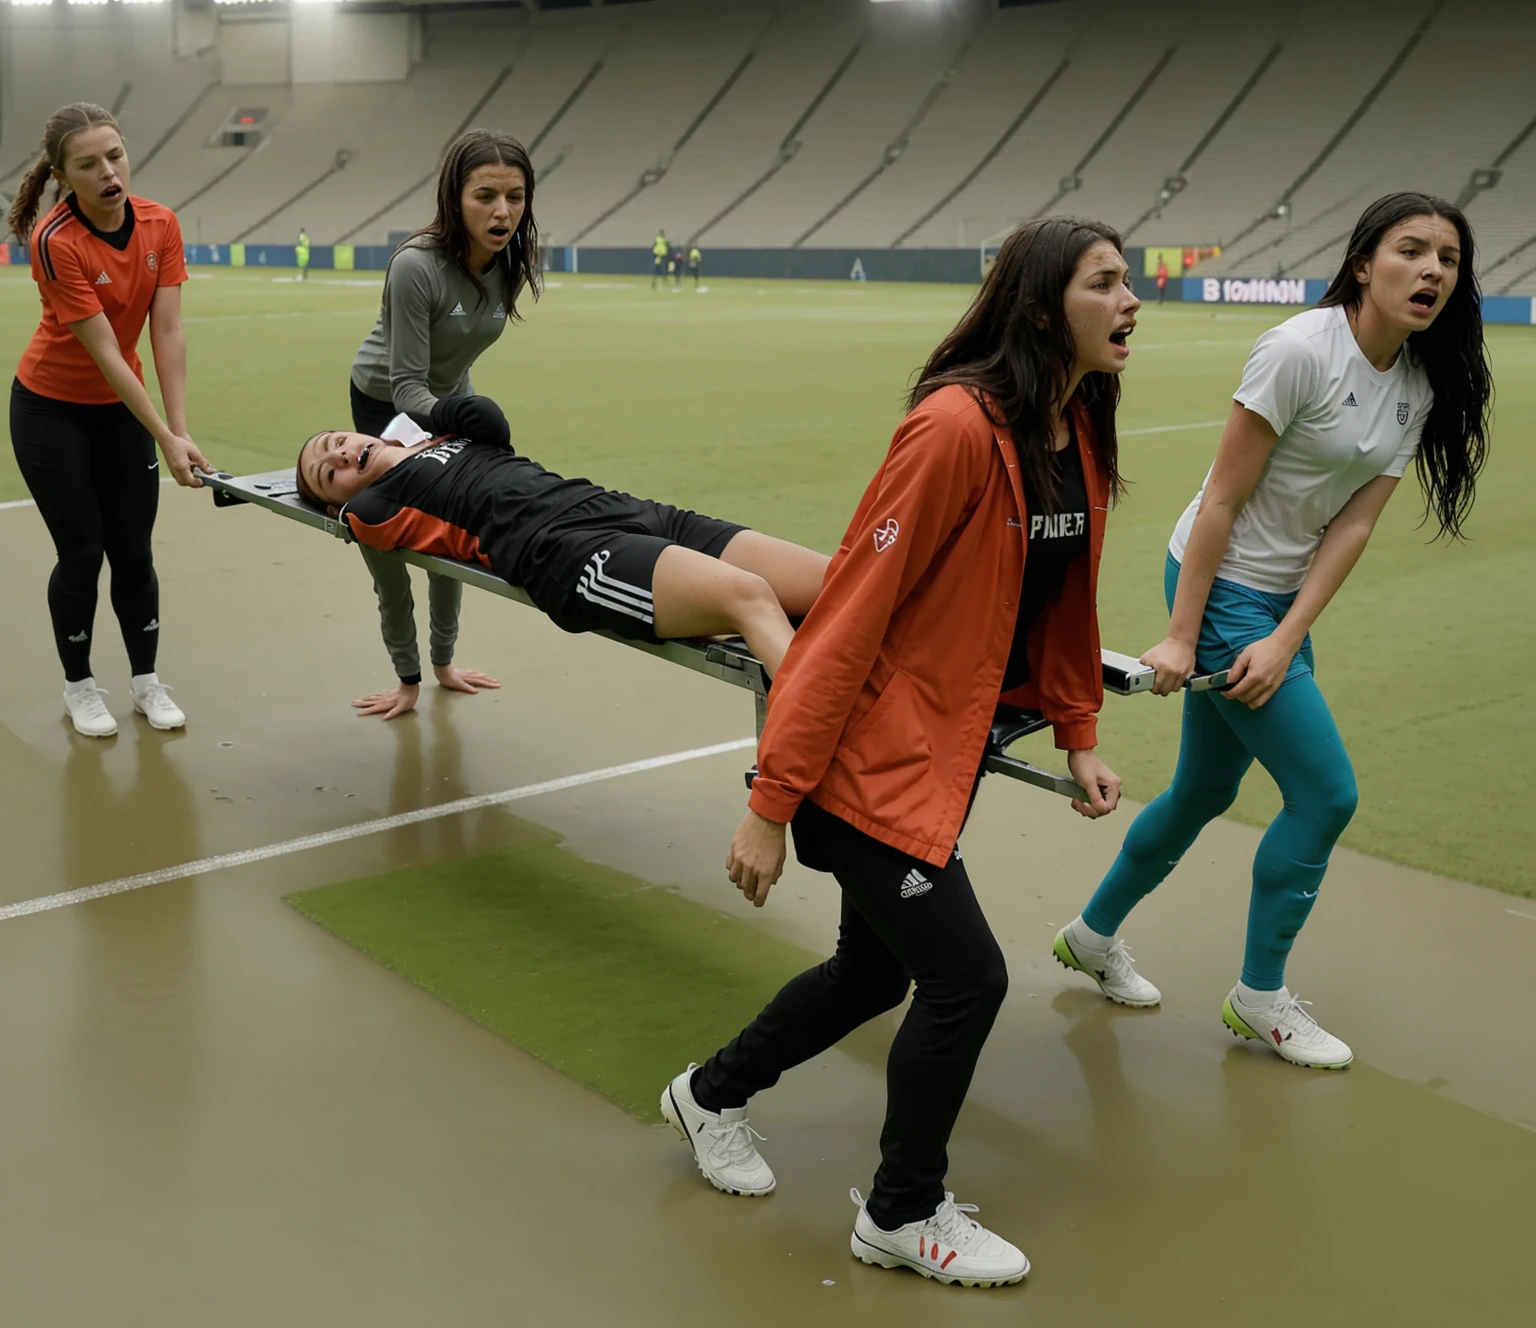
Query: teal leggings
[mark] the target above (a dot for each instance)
(1293, 737)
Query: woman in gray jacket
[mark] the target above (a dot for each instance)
(449, 293)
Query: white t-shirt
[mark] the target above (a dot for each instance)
(1341, 423)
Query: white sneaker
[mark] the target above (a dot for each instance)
(89, 712)
(721, 1141)
(948, 1247)
(151, 698)
(1288, 1031)
(1112, 969)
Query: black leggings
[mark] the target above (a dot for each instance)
(902, 920)
(95, 476)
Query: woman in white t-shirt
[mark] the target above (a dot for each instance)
(1334, 405)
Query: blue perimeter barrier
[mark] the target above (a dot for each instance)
(959, 266)
(1306, 292)
(338, 257)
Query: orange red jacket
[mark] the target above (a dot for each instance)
(881, 710)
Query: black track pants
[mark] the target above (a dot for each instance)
(902, 921)
(95, 475)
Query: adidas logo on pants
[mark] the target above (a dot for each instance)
(915, 883)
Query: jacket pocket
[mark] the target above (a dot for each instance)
(888, 750)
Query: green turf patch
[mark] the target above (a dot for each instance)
(613, 981)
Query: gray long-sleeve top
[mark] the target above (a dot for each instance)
(432, 326)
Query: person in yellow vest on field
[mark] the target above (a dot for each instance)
(695, 261)
(301, 254)
(659, 251)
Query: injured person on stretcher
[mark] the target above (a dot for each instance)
(591, 558)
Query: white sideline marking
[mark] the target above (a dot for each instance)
(1529, 917)
(1168, 428)
(359, 831)
(32, 502)
(1123, 433)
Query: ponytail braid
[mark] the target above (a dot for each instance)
(28, 201)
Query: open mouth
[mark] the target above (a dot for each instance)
(1119, 336)
(112, 191)
(1424, 299)
(362, 458)
(500, 232)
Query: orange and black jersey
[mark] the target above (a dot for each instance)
(469, 496)
(80, 272)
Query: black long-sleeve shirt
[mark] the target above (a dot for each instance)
(469, 496)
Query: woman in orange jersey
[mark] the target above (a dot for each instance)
(967, 577)
(82, 424)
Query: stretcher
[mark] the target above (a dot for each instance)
(727, 659)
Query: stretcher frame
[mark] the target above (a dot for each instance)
(727, 659)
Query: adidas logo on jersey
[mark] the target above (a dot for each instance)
(501, 311)
(457, 311)
(103, 279)
(1350, 400)
(915, 884)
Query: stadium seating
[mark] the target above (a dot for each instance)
(840, 123)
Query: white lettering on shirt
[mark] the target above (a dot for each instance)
(1064, 525)
(443, 453)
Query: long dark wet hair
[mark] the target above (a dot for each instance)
(472, 149)
(1454, 445)
(1014, 349)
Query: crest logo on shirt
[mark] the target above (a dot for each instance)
(1402, 412)
(103, 279)
(885, 535)
(151, 260)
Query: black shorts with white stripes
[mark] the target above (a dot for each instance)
(591, 568)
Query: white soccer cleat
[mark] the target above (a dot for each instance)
(721, 1141)
(151, 698)
(948, 1247)
(1288, 1031)
(89, 712)
(1112, 968)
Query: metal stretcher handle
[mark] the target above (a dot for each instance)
(222, 496)
(1009, 724)
(1125, 676)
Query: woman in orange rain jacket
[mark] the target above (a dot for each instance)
(967, 577)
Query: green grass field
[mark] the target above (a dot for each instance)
(771, 403)
(568, 959)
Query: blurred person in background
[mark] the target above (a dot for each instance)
(659, 251)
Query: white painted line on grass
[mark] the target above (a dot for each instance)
(1169, 428)
(32, 502)
(1515, 912)
(363, 829)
